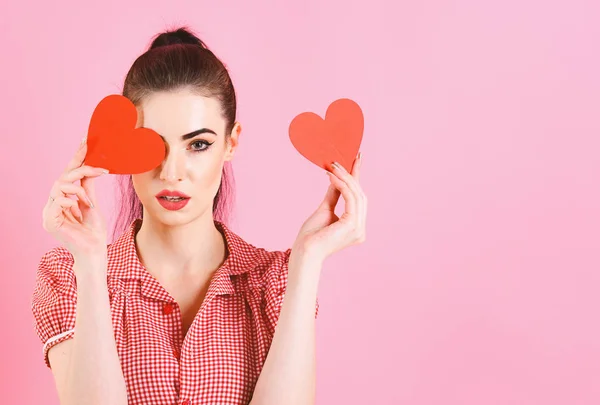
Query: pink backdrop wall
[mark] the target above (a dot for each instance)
(478, 281)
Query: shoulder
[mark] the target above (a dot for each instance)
(58, 255)
(56, 268)
(270, 267)
(270, 258)
(258, 263)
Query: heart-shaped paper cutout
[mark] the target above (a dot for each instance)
(336, 138)
(115, 144)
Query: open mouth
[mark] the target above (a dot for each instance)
(174, 199)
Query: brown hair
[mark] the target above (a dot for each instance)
(178, 59)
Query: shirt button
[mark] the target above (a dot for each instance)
(167, 308)
(185, 402)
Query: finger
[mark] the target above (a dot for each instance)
(79, 157)
(88, 185)
(362, 200)
(74, 189)
(356, 189)
(331, 199)
(55, 193)
(81, 172)
(351, 179)
(339, 171)
(59, 206)
(75, 215)
(350, 207)
(343, 174)
(51, 199)
(75, 211)
(356, 166)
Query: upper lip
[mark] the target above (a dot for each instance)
(170, 193)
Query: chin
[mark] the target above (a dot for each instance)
(175, 218)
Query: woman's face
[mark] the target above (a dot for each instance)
(193, 162)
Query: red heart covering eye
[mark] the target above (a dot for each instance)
(115, 144)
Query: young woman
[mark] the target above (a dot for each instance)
(179, 309)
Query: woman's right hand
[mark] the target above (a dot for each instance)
(77, 224)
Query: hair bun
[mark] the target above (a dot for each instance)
(180, 36)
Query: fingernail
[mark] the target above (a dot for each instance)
(359, 155)
(83, 140)
(90, 202)
(335, 164)
(105, 171)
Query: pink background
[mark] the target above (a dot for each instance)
(478, 283)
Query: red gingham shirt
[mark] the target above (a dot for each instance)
(222, 354)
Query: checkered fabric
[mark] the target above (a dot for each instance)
(220, 358)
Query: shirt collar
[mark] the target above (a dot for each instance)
(123, 261)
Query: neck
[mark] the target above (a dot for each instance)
(194, 248)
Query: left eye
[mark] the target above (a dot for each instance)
(200, 146)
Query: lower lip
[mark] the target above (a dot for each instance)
(172, 205)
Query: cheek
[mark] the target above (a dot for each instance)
(141, 185)
(207, 175)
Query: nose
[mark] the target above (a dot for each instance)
(173, 167)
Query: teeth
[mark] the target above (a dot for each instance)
(173, 198)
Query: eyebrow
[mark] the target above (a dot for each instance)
(194, 133)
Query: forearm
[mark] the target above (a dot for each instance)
(94, 374)
(289, 372)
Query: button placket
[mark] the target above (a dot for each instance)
(167, 309)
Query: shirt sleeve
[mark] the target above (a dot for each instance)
(54, 299)
(276, 279)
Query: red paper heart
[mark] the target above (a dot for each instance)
(336, 138)
(115, 144)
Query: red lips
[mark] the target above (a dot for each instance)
(169, 193)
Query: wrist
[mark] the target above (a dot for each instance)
(96, 257)
(304, 268)
(307, 254)
(90, 266)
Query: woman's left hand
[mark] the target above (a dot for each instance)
(323, 233)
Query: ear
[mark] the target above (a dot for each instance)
(140, 116)
(233, 141)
